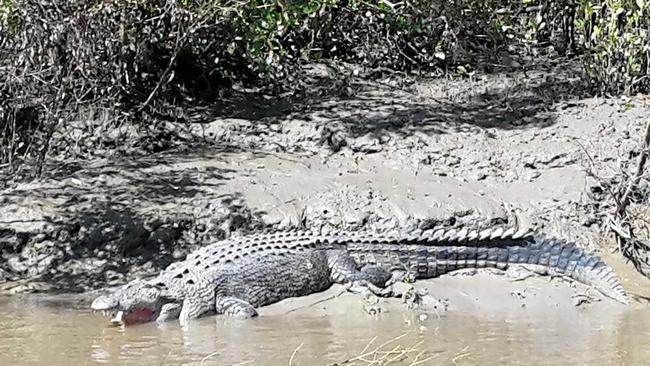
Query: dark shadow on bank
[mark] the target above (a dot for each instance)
(98, 237)
(104, 244)
(527, 100)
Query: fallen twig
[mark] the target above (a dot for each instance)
(632, 247)
(631, 187)
(381, 355)
(204, 359)
(293, 355)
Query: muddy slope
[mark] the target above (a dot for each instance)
(497, 148)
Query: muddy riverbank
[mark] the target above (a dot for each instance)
(529, 149)
(525, 147)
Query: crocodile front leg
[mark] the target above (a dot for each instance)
(170, 311)
(192, 308)
(234, 307)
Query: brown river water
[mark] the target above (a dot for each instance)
(534, 328)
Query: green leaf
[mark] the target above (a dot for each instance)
(641, 4)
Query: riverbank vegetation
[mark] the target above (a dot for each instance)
(72, 73)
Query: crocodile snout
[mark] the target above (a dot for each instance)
(122, 314)
(103, 303)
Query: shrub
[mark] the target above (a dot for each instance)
(142, 62)
(617, 44)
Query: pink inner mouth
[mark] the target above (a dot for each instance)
(138, 315)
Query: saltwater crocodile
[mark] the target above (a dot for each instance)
(239, 274)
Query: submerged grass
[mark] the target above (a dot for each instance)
(388, 353)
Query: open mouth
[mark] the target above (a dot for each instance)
(133, 316)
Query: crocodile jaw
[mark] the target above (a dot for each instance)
(134, 316)
(136, 302)
(137, 315)
(109, 307)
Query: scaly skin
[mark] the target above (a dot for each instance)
(237, 275)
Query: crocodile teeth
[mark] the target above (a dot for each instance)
(118, 317)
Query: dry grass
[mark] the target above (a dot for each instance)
(388, 353)
(391, 352)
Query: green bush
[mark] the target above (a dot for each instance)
(617, 44)
(144, 61)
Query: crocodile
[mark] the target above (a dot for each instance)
(237, 275)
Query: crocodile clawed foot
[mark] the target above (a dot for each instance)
(235, 307)
(412, 297)
(371, 295)
(372, 306)
(409, 295)
(401, 277)
(364, 287)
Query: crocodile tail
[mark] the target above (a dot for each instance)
(603, 278)
(434, 252)
(572, 261)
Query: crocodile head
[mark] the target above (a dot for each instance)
(136, 302)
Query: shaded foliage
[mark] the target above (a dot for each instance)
(617, 43)
(83, 78)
